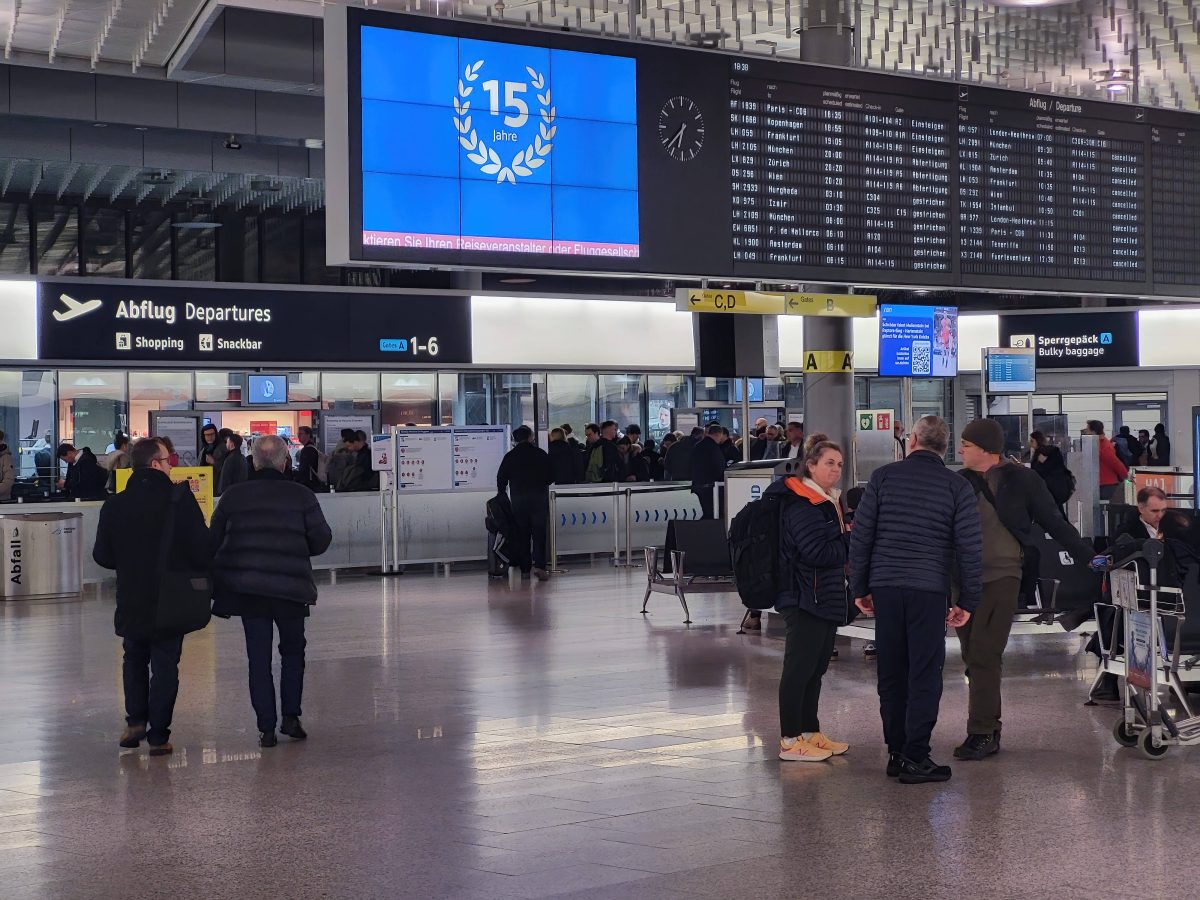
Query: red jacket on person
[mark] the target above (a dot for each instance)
(1112, 470)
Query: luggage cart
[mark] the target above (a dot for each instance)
(1150, 664)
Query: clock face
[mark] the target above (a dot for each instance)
(681, 128)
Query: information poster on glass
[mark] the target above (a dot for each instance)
(918, 341)
(477, 455)
(425, 459)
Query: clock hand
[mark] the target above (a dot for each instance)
(678, 138)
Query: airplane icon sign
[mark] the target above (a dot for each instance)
(75, 308)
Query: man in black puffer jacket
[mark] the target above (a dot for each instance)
(917, 524)
(263, 533)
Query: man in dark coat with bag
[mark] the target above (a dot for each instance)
(133, 528)
(263, 533)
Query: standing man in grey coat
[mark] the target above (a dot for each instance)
(916, 529)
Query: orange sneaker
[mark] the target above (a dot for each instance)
(800, 750)
(837, 748)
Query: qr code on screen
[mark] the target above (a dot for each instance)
(921, 358)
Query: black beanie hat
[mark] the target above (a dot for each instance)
(986, 434)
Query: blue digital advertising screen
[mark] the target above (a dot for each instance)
(918, 341)
(265, 390)
(1011, 371)
(493, 147)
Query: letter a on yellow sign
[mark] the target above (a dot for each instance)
(828, 361)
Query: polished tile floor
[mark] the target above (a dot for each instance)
(476, 740)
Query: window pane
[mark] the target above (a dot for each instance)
(156, 391)
(57, 239)
(571, 399)
(1047, 403)
(92, 408)
(714, 390)
(304, 387)
(408, 398)
(885, 394)
(621, 399)
(195, 249)
(104, 242)
(793, 393)
(218, 387)
(27, 420)
(315, 270)
(512, 397)
(1081, 407)
(151, 241)
(279, 249)
(772, 389)
(466, 399)
(347, 391)
(14, 239)
(663, 394)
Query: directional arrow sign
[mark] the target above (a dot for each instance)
(839, 305)
(756, 303)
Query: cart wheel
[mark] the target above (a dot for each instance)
(1125, 736)
(1147, 748)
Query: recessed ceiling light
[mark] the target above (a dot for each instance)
(518, 280)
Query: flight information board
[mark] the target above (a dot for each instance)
(1175, 199)
(1050, 188)
(463, 144)
(823, 175)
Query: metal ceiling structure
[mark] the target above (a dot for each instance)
(1144, 51)
(198, 193)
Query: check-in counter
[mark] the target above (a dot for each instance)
(448, 526)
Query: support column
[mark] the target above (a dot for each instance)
(829, 397)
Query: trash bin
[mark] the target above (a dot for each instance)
(41, 554)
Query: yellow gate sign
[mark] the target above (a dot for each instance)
(828, 361)
(756, 303)
(861, 306)
(198, 478)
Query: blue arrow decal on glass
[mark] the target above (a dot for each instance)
(564, 518)
(637, 515)
(656, 515)
(603, 517)
(593, 518)
(572, 518)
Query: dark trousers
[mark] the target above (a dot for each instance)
(910, 637)
(259, 631)
(983, 640)
(532, 515)
(704, 493)
(151, 675)
(806, 653)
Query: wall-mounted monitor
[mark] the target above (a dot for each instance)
(265, 390)
(918, 341)
(1011, 370)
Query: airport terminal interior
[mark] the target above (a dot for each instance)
(451, 448)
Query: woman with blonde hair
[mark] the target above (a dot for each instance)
(813, 600)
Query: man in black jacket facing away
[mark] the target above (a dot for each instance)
(708, 467)
(308, 461)
(1012, 501)
(128, 539)
(85, 478)
(263, 533)
(918, 522)
(525, 474)
(678, 460)
(234, 469)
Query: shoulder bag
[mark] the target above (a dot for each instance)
(184, 598)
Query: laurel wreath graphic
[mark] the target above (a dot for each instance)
(525, 161)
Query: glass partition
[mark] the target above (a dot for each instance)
(512, 397)
(663, 394)
(620, 399)
(156, 391)
(409, 398)
(218, 387)
(92, 408)
(27, 420)
(571, 399)
(348, 391)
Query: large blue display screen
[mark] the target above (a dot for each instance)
(485, 146)
(918, 341)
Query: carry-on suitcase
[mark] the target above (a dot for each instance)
(501, 525)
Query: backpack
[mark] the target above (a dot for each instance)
(1121, 445)
(1061, 485)
(754, 550)
(322, 467)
